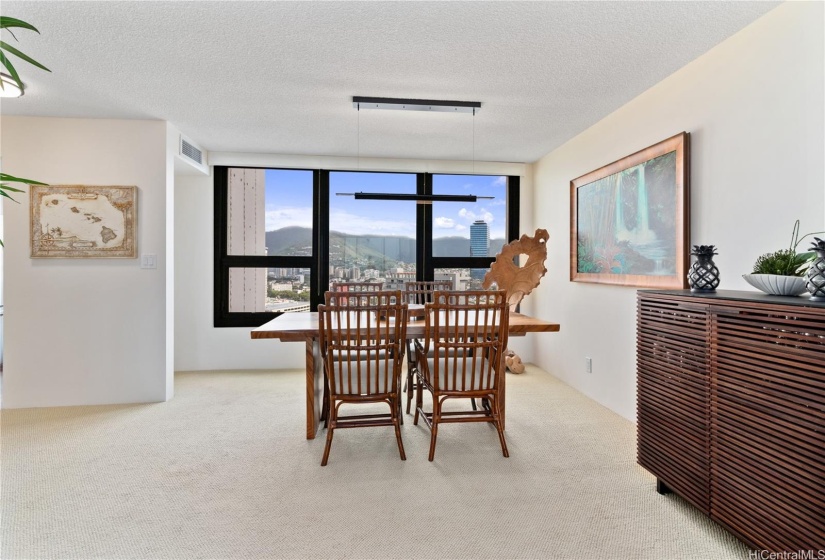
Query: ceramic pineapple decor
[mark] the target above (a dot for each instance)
(815, 277)
(703, 275)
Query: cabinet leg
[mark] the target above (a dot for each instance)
(662, 488)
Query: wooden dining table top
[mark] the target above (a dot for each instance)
(302, 325)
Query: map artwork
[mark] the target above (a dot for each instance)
(80, 221)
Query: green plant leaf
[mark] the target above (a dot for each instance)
(6, 22)
(4, 193)
(12, 178)
(5, 46)
(12, 72)
(5, 187)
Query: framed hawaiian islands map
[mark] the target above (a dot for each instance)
(80, 221)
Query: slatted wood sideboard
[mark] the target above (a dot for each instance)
(731, 410)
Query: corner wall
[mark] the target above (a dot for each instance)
(86, 331)
(754, 108)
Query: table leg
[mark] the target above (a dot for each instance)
(315, 386)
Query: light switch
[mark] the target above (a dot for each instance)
(148, 261)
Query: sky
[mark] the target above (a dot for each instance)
(289, 203)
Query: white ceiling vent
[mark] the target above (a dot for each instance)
(192, 154)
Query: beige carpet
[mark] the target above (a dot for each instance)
(223, 471)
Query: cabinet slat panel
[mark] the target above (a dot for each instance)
(777, 514)
(768, 404)
(741, 474)
(672, 397)
(791, 442)
(767, 424)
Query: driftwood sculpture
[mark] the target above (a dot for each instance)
(518, 281)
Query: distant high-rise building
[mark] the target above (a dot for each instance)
(479, 239)
(479, 246)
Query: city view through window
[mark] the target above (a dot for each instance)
(369, 240)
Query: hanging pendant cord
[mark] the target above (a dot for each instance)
(474, 140)
(358, 141)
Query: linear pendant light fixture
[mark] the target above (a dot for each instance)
(401, 104)
(419, 198)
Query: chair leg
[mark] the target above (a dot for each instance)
(434, 435)
(333, 420)
(397, 413)
(497, 422)
(419, 401)
(325, 405)
(410, 388)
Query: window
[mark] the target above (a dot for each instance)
(282, 237)
(371, 240)
(265, 257)
(467, 237)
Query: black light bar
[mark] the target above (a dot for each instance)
(400, 104)
(416, 197)
(424, 198)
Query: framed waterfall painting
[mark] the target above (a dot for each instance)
(629, 220)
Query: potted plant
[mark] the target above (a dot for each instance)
(782, 272)
(9, 23)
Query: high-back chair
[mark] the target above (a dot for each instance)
(422, 292)
(362, 344)
(419, 293)
(462, 357)
(356, 287)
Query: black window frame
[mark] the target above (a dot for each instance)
(224, 262)
(512, 229)
(318, 263)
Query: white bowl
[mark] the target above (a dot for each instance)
(776, 285)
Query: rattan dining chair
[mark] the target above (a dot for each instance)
(362, 340)
(356, 287)
(462, 357)
(419, 293)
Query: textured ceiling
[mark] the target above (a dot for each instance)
(278, 77)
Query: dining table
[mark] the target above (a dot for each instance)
(303, 327)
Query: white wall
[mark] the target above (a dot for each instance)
(754, 108)
(199, 345)
(86, 331)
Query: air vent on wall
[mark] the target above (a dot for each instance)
(191, 159)
(187, 150)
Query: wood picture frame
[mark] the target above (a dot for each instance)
(630, 220)
(83, 221)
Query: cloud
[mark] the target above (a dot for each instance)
(444, 223)
(500, 181)
(471, 216)
(281, 217)
(343, 221)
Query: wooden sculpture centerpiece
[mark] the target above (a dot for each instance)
(518, 281)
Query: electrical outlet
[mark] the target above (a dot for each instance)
(588, 365)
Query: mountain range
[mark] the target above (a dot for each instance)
(345, 247)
